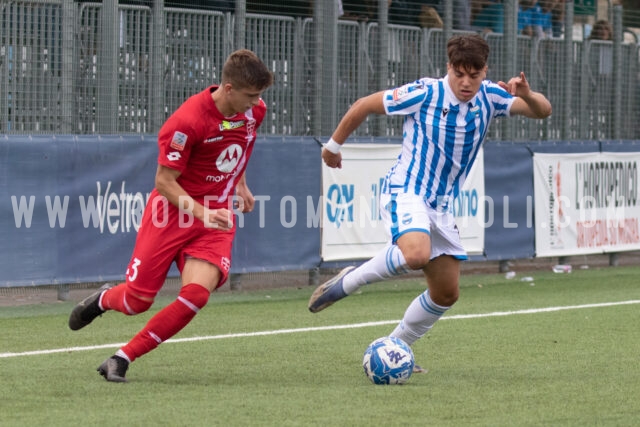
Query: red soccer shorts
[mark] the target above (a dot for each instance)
(167, 235)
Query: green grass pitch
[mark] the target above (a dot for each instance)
(551, 352)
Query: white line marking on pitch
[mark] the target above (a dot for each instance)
(326, 328)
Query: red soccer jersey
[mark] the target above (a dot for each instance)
(211, 151)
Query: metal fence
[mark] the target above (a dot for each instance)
(85, 68)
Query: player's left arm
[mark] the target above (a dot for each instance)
(244, 195)
(528, 103)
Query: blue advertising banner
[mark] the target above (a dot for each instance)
(70, 207)
(283, 231)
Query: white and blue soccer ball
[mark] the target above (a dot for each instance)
(388, 360)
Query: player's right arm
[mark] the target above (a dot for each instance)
(370, 104)
(357, 113)
(168, 186)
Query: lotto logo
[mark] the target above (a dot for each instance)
(173, 156)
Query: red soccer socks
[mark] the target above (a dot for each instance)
(168, 321)
(120, 298)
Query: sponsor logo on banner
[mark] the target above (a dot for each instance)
(352, 226)
(554, 215)
(178, 141)
(586, 203)
(340, 204)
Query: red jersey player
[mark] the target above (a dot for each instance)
(204, 148)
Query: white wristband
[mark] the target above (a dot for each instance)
(332, 146)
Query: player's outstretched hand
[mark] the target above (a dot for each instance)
(517, 86)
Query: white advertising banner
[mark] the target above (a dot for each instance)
(351, 223)
(586, 203)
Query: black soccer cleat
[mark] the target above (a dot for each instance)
(87, 310)
(114, 369)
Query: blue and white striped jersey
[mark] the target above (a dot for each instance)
(441, 136)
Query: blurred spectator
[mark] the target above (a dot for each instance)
(359, 10)
(490, 18)
(527, 15)
(401, 12)
(219, 5)
(557, 18)
(476, 7)
(534, 18)
(295, 8)
(545, 17)
(419, 13)
(148, 3)
(601, 31)
(462, 15)
(429, 17)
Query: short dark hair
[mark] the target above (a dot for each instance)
(244, 69)
(468, 51)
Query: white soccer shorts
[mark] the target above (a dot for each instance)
(404, 212)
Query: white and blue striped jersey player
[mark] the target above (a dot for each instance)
(441, 139)
(446, 121)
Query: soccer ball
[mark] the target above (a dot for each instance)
(388, 360)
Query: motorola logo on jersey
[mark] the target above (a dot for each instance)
(215, 178)
(229, 158)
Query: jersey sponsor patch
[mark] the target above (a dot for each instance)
(178, 141)
(227, 125)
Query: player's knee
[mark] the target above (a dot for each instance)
(194, 296)
(451, 297)
(445, 297)
(417, 259)
(135, 304)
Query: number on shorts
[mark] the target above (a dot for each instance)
(134, 270)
